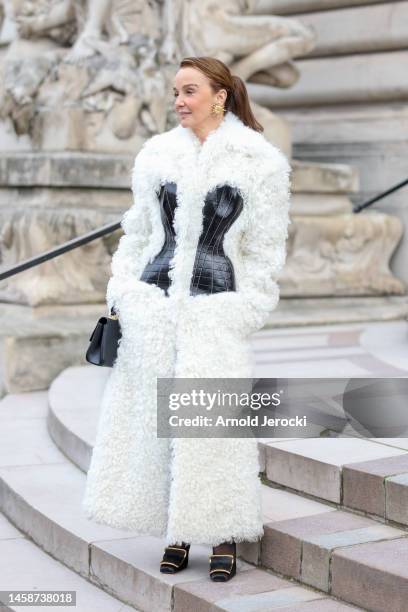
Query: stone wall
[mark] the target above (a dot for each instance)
(350, 104)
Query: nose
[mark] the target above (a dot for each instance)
(178, 100)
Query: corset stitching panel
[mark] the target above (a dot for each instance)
(211, 264)
(213, 271)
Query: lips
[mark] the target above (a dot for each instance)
(184, 114)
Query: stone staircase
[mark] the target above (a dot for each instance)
(335, 529)
(23, 565)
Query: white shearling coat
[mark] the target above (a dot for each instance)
(197, 490)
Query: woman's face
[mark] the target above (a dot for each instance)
(194, 97)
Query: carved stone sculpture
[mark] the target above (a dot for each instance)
(95, 76)
(76, 277)
(110, 63)
(258, 48)
(8, 30)
(346, 254)
(104, 62)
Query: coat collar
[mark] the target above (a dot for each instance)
(232, 152)
(232, 135)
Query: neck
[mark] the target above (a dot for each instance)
(202, 131)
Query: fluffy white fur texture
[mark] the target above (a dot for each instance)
(205, 490)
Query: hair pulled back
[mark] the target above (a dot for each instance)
(220, 77)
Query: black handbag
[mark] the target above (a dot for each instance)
(104, 341)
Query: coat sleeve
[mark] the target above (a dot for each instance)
(263, 243)
(137, 227)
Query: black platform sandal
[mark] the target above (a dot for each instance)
(175, 559)
(223, 567)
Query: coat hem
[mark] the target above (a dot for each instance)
(247, 536)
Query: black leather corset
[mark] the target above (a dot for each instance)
(157, 272)
(212, 271)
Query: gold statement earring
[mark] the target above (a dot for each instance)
(217, 109)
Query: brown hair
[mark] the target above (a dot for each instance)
(220, 77)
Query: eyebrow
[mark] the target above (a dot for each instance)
(188, 85)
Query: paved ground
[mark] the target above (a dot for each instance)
(359, 350)
(349, 350)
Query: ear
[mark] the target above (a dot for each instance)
(221, 96)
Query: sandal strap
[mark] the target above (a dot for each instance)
(174, 556)
(222, 563)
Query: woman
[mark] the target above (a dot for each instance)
(193, 276)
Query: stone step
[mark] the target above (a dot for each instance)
(75, 435)
(73, 417)
(349, 133)
(303, 537)
(303, 312)
(41, 491)
(370, 476)
(289, 7)
(357, 29)
(374, 77)
(353, 557)
(25, 567)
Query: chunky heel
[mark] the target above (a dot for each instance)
(175, 559)
(223, 567)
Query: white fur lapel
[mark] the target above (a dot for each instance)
(231, 135)
(232, 153)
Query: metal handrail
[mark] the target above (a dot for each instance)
(111, 227)
(380, 196)
(59, 250)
